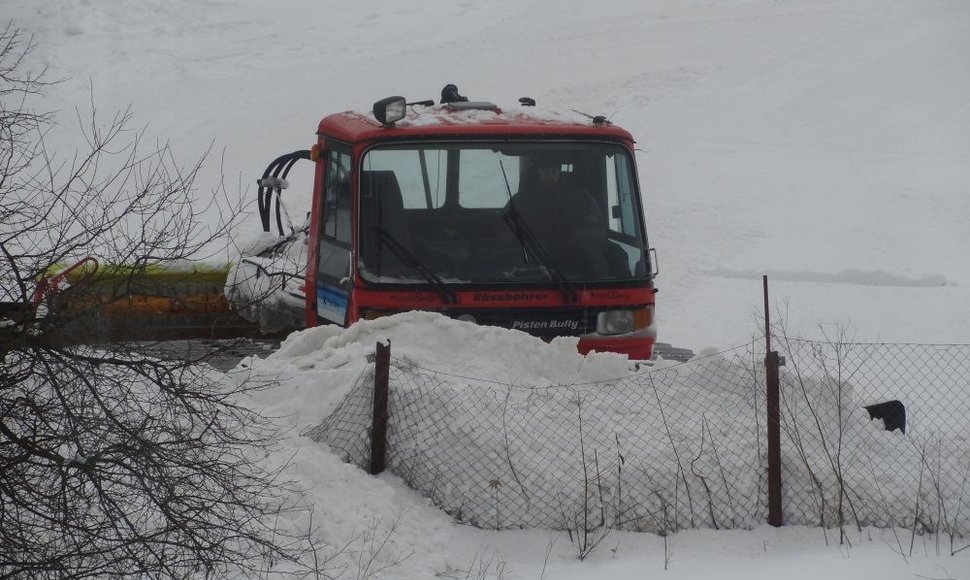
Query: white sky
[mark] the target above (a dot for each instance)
(823, 143)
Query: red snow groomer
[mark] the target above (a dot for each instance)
(517, 217)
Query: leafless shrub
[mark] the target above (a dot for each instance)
(815, 418)
(114, 463)
(666, 524)
(940, 497)
(482, 566)
(369, 547)
(587, 524)
(681, 472)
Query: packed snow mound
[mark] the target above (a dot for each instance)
(435, 342)
(266, 284)
(486, 113)
(315, 369)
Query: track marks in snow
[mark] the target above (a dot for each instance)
(856, 277)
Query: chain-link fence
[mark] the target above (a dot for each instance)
(685, 445)
(876, 434)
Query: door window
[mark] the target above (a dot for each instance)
(335, 239)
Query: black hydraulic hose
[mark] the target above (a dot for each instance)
(265, 193)
(292, 162)
(264, 198)
(277, 169)
(279, 219)
(284, 171)
(279, 195)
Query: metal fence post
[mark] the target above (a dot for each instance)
(378, 434)
(772, 380)
(774, 440)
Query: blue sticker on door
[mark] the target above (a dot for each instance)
(332, 304)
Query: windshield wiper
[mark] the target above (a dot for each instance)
(412, 261)
(531, 246)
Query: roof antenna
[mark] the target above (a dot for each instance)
(449, 94)
(527, 102)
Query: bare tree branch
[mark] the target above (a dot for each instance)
(114, 463)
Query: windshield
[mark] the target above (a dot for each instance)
(500, 213)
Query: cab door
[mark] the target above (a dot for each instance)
(335, 237)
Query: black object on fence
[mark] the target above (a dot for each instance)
(382, 365)
(772, 379)
(892, 413)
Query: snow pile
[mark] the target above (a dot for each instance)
(509, 455)
(313, 372)
(266, 283)
(502, 430)
(420, 116)
(328, 356)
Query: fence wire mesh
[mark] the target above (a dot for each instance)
(657, 451)
(685, 445)
(876, 434)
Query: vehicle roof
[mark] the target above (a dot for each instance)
(449, 121)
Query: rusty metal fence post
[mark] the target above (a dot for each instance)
(378, 434)
(772, 380)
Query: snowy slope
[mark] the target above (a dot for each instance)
(822, 143)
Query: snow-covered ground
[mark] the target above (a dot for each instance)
(824, 143)
(317, 368)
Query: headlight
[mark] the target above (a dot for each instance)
(611, 322)
(390, 110)
(614, 322)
